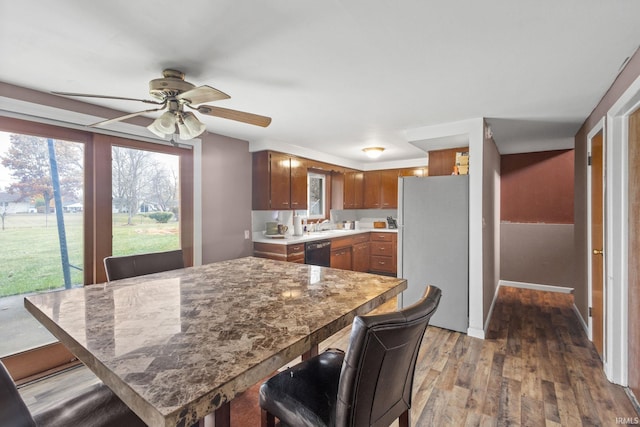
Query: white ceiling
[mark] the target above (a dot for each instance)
(338, 76)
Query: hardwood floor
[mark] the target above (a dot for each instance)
(536, 368)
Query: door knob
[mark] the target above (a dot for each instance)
(597, 252)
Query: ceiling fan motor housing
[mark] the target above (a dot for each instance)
(171, 85)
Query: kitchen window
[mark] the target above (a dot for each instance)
(316, 195)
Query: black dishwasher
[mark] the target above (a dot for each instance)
(318, 253)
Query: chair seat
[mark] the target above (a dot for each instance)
(305, 395)
(96, 406)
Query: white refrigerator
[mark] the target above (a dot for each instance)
(433, 244)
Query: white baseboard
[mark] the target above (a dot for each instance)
(493, 304)
(475, 333)
(536, 286)
(582, 322)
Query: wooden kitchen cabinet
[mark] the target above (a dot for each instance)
(361, 257)
(383, 248)
(424, 171)
(298, 169)
(290, 253)
(341, 258)
(279, 181)
(381, 189)
(389, 189)
(353, 190)
(371, 190)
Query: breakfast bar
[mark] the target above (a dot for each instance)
(178, 345)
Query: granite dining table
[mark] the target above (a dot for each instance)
(178, 345)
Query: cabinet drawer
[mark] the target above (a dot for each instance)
(383, 264)
(383, 237)
(360, 238)
(295, 249)
(382, 248)
(341, 242)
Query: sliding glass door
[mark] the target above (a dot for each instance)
(67, 200)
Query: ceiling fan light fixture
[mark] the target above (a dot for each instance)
(184, 132)
(166, 123)
(373, 152)
(195, 126)
(152, 127)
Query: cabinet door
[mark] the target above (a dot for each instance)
(298, 183)
(389, 189)
(280, 176)
(341, 258)
(348, 192)
(372, 190)
(361, 261)
(353, 190)
(358, 190)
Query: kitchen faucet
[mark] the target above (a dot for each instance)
(319, 225)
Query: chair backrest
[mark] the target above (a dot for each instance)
(122, 267)
(377, 372)
(13, 411)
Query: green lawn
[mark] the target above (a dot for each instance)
(30, 259)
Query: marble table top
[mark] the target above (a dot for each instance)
(177, 345)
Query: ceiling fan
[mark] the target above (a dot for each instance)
(172, 94)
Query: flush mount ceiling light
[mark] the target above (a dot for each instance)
(373, 152)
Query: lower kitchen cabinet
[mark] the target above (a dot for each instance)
(373, 252)
(291, 253)
(341, 258)
(361, 257)
(383, 253)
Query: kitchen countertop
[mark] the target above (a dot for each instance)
(259, 237)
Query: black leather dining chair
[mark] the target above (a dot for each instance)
(95, 407)
(122, 267)
(370, 385)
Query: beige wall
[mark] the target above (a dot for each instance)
(226, 198)
(491, 223)
(622, 83)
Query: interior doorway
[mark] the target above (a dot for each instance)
(596, 240)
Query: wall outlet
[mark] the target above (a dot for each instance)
(247, 234)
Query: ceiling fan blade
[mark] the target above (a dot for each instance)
(239, 116)
(125, 117)
(201, 94)
(86, 95)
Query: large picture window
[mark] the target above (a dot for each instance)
(68, 199)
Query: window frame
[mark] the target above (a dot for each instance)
(52, 357)
(325, 193)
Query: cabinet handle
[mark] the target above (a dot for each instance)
(381, 262)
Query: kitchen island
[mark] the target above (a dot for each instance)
(178, 345)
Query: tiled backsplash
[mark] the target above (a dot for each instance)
(365, 216)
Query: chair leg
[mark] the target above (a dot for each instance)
(268, 420)
(404, 419)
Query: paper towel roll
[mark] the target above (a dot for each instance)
(297, 225)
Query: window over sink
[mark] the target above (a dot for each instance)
(316, 195)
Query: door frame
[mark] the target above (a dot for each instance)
(616, 245)
(599, 127)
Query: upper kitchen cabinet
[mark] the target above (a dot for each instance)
(381, 189)
(279, 181)
(423, 171)
(443, 162)
(353, 190)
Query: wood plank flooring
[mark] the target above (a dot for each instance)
(536, 368)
